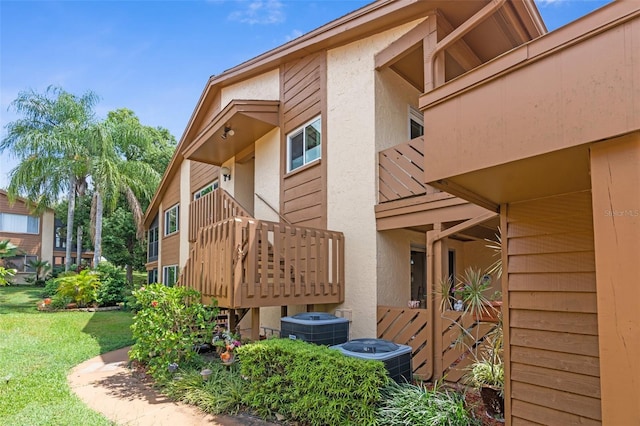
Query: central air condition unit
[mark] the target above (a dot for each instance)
(396, 358)
(315, 327)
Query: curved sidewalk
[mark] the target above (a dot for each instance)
(107, 386)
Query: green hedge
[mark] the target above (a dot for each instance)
(311, 384)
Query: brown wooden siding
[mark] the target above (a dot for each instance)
(29, 243)
(202, 174)
(206, 114)
(303, 192)
(553, 338)
(171, 250)
(170, 247)
(172, 194)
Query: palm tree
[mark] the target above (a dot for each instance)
(114, 175)
(49, 142)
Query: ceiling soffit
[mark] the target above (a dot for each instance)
(249, 120)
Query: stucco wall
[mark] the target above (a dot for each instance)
(351, 170)
(393, 97)
(46, 249)
(267, 175)
(265, 86)
(394, 270)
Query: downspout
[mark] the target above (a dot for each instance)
(460, 32)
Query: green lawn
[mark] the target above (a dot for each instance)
(38, 349)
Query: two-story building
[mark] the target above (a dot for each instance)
(298, 182)
(31, 233)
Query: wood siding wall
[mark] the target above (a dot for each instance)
(171, 244)
(553, 338)
(303, 91)
(202, 174)
(29, 243)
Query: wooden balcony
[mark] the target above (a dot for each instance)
(401, 172)
(248, 263)
(213, 207)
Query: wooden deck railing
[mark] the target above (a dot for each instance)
(401, 171)
(247, 263)
(213, 207)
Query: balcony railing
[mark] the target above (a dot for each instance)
(246, 263)
(401, 171)
(213, 207)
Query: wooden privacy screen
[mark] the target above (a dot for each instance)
(462, 337)
(409, 327)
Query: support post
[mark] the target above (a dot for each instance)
(255, 324)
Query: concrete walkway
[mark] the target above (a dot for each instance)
(107, 386)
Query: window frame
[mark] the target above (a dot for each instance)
(215, 184)
(30, 221)
(167, 212)
(301, 130)
(151, 273)
(153, 245)
(165, 272)
(416, 116)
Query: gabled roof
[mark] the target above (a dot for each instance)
(517, 21)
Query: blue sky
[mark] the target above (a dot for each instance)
(155, 57)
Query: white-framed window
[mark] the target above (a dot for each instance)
(19, 223)
(205, 190)
(152, 276)
(304, 144)
(172, 220)
(416, 123)
(170, 275)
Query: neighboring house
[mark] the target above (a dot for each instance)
(315, 150)
(60, 247)
(32, 234)
(548, 135)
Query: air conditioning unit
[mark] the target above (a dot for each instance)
(315, 327)
(396, 358)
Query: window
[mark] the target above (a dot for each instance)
(61, 237)
(19, 223)
(152, 276)
(207, 189)
(416, 123)
(304, 144)
(169, 275)
(171, 220)
(152, 249)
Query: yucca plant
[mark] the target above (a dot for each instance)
(471, 289)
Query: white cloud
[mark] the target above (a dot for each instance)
(259, 12)
(293, 35)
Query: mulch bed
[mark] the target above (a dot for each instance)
(475, 405)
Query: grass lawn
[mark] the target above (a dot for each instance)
(37, 350)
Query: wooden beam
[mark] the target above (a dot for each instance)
(404, 45)
(460, 51)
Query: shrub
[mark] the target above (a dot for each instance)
(170, 321)
(312, 384)
(221, 393)
(50, 288)
(80, 288)
(407, 404)
(114, 288)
